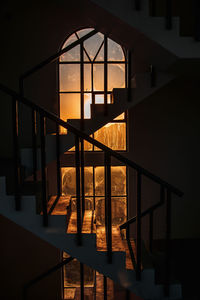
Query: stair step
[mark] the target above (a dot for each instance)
(58, 205)
(117, 244)
(88, 226)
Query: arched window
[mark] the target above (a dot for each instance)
(83, 72)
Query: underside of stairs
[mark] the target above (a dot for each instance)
(61, 233)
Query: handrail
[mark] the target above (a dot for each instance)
(86, 137)
(57, 54)
(43, 275)
(143, 214)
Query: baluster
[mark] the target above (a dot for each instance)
(105, 75)
(82, 178)
(16, 154)
(34, 143)
(82, 280)
(58, 161)
(138, 226)
(105, 287)
(196, 20)
(108, 206)
(43, 169)
(137, 5)
(168, 246)
(82, 84)
(152, 8)
(150, 231)
(168, 16)
(153, 76)
(78, 198)
(129, 75)
(95, 285)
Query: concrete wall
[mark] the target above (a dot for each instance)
(166, 130)
(24, 257)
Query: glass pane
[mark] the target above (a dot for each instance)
(116, 76)
(115, 51)
(118, 181)
(83, 32)
(113, 135)
(98, 77)
(69, 78)
(119, 210)
(100, 56)
(88, 181)
(69, 106)
(120, 117)
(71, 55)
(87, 103)
(99, 181)
(92, 44)
(87, 77)
(68, 181)
(99, 98)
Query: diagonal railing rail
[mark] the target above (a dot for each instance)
(108, 153)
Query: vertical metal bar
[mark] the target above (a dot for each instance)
(34, 143)
(82, 280)
(168, 235)
(105, 75)
(16, 154)
(93, 181)
(78, 194)
(82, 178)
(137, 4)
(138, 226)
(127, 295)
(95, 285)
(58, 161)
(153, 76)
(43, 169)
(105, 287)
(196, 10)
(129, 75)
(82, 84)
(108, 205)
(151, 231)
(168, 16)
(152, 5)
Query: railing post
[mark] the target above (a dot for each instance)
(43, 169)
(129, 75)
(58, 161)
(104, 287)
(16, 153)
(168, 16)
(108, 206)
(138, 226)
(152, 4)
(137, 5)
(168, 246)
(151, 231)
(105, 75)
(196, 20)
(34, 143)
(153, 76)
(78, 194)
(82, 179)
(82, 280)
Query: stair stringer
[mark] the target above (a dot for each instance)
(139, 92)
(56, 235)
(153, 28)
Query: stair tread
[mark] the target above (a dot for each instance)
(117, 244)
(88, 224)
(60, 207)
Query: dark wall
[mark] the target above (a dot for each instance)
(24, 257)
(166, 141)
